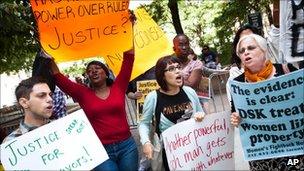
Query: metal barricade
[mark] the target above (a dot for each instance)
(218, 78)
(10, 118)
(131, 112)
(218, 93)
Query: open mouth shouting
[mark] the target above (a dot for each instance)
(179, 79)
(94, 77)
(248, 59)
(49, 108)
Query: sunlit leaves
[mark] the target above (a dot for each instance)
(17, 43)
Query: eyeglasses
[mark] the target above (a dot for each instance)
(173, 68)
(249, 48)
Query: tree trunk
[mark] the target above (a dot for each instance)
(276, 13)
(175, 16)
(269, 14)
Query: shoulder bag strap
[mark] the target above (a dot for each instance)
(157, 115)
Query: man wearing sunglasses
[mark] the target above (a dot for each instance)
(210, 58)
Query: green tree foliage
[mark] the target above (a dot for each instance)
(159, 12)
(75, 70)
(17, 43)
(235, 13)
(209, 21)
(197, 20)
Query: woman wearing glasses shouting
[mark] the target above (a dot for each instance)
(171, 104)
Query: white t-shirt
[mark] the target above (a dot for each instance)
(233, 73)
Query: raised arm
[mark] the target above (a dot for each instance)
(124, 75)
(66, 85)
(53, 66)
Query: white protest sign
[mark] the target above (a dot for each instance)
(206, 145)
(292, 30)
(69, 143)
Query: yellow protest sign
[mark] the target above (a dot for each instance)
(145, 87)
(73, 30)
(150, 43)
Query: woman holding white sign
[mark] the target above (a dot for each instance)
(252, 50)
(171, 104)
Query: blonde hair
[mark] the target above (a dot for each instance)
(261, 42)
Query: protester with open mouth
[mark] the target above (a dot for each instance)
(252, 50)
(170, 104)
(104, 104)
(35, 98)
